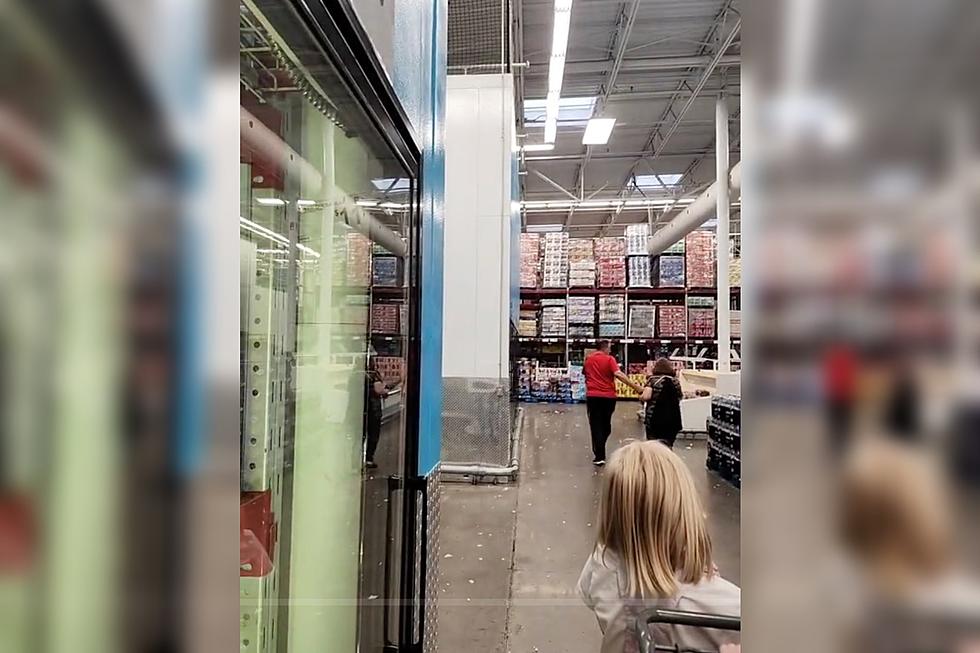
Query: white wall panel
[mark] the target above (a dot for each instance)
(479, 138)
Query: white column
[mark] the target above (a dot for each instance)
(723, 203)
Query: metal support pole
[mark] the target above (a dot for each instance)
(723, 203)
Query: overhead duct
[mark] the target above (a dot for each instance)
(274, 149)
(696, 214)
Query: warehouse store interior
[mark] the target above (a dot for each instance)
(625, 115)
(446, 210)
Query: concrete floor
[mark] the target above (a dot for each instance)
(512, 554)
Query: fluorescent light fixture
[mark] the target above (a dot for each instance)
(390, 184)
(366, 202)
(543, 228)
(539, 147)
(275, 236)
(556, 66)
(391, 205)
(598, 130)
(270, 201)
(305, 203)
(571, 110)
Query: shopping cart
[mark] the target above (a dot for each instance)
(679, 618)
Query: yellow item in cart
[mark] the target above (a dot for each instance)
(623, 391)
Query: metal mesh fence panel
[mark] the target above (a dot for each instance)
(476, 421)
(479, 35)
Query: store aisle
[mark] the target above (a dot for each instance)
(527, 543)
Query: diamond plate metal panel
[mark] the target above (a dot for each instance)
(476, 421)
(430, 630)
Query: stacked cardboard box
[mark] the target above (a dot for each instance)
(526, 369)
(700, 323)
(612, 316)
(386, 271)
(639, 271)
(581, 263)
(637, 236)
(384, 318)
(736, 322)
(700, 256)
(555, 266)
(610, 247)
(391, 368)
(671, 320)
(530, 260)
(358, 260)
(552, 318)
(670, 271)
(581, 317)
(612, 272)
(643, 321)
(735, 272)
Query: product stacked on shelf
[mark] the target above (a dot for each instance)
(576, 380)
(637, 236)
(700, 317)
(725, 438)
(672, 321)
(403, 318)
(525, 369)
(385, 272)
(581, 317)
(553, 318)
(676, 248)
(358, 260)
(669, 271)
(735, 272)
(610, 254)
(612, 316)
(391, 368)
(527, 323)
(551, 384)
(643, 321)
(639, 271)
(736, 322)
(384, 318)
(581, 263)
(700, 257)
(623, 391)
(555, 265)
(530, 260)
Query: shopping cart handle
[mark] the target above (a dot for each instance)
(696, 619)
(679, 618)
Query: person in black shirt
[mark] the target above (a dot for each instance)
(663, 395)
(376, 391)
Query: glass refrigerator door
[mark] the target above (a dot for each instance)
(327, 229)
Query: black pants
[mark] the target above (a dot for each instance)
(373, 433)
(666, 438)
(600, 411)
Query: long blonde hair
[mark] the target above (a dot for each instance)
(651, 516)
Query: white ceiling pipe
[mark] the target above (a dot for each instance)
(270, 146)
(695, 215)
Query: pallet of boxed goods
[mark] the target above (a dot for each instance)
(610, 247)
(385, 273)
(669, 271)
(391, 368)
(554, 267)
(384, 318)
(581, 263)
(611, 272)
(725, 438)
(700, 317)
(639, 271)
(612, 308)
(736, 322)
(735, 272)
(700, 257)
(671, 321)
(581, 317)
(643, 321)
(553, 322)
(530, 260)
(358, 260)
(637, 236)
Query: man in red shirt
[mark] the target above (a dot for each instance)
(601, 371)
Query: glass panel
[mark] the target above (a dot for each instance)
(326, 218)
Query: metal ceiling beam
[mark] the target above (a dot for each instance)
(644, 65)
(621, 155)
(620, 40)
(554, 183)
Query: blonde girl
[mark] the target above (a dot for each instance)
(653, 550)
